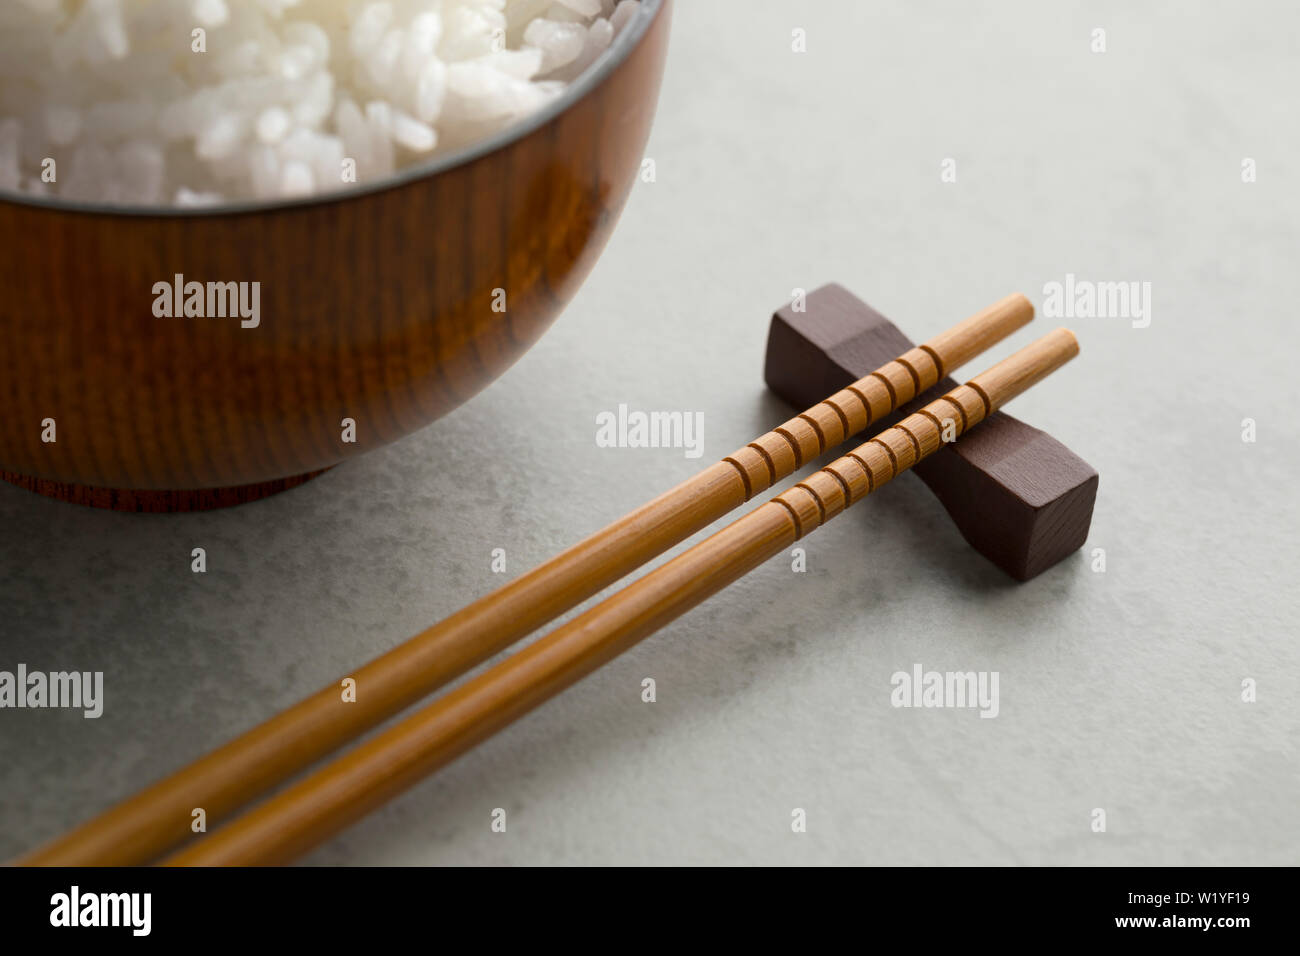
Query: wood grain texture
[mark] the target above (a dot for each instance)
(158, 818)
(1016, 494)
(376, 306)
(300, 817)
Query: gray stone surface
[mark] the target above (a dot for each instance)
(1119, 690)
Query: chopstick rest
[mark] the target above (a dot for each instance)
(1017, 495)
(342, 791)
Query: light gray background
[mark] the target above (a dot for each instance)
(1119, 690)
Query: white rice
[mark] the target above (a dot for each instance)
(112, 100)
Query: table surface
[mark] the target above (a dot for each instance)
(776, 170)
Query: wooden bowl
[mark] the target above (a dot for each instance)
(381, 305)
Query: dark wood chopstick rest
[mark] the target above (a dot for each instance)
(1016, 494)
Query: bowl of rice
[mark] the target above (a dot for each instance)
(247, 239)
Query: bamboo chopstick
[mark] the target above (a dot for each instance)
(158, 818)
(342, 791)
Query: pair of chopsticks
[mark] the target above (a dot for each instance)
(146, 826)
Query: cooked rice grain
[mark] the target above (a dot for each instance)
(186, 102)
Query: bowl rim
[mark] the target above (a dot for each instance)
(628, 39)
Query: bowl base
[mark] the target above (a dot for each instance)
(156, 501)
